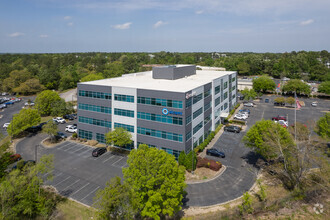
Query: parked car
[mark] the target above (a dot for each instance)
(3, 106)
(314, 104)
(29, 104)
(59, 120)
(71, 129)
(4, 93)
(283, 123)
(61, 135)
(279, 117)
(10, 103)
(15, 157)
(240, 117)
(266, 100)
(5, 125)
(248, 104)
(245, 110)
(215, 152)
(232, 128)
(70, 117)
(74, 115)
(279, 104)
(99, 151)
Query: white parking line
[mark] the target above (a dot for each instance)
(71, 147)
(108, 159)
(117, 161)
(83, 152)
(62, 181)
(91, 192)
(64, 145)
(80, 189)
(78, 150)
(71, 184)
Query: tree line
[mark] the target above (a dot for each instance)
(31, 73)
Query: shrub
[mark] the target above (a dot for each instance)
(207, 163)
(92, 142)
(182, 158)
(237, 122)
(74, 135)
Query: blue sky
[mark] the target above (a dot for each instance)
(164, 25)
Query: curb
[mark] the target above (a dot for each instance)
(208, 180)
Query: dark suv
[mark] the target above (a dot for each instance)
(99, 151)
(232, 128)
(215, 152)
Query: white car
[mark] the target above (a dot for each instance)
(249, 104)
(59, 120)
(314, 104)
(71, 129)
(5, 125)
(240, 117)
(283, 123)
(29, 104)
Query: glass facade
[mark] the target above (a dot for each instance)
(175, 153)
(188, 135)
(225, 95)
(129, 128)
(160, 102)
(160, 134)
(207, 119)
(124, 112)
(93, 121)
(188, 119)
(124, 98)
(96, 95)
(217, 101)
(225, 85)
(94, 108)
(197, 98)
(207, 106)
(85, 134)
(217, 89)
(197, 127)
(100, 138)
(207, 93)
(160, 118)
(188, 102)
(197, 112)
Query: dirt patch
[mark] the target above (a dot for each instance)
(202, 174)
(48, 144)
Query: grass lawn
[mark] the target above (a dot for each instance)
(73, 210)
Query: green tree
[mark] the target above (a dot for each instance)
(279, 100)
(290, 100)
(324, 87)
(157, 181)
(44, 102)
(298, 86)
(243, 68)
(249, 94)
(91, 77)
(118, 137)
(263, 83)
(51, 129)
(265, 136)
(21, 194)
(246, 206)
(323, 126)
(59, 108)
(31, 86)
(23, 120)
(115, 201)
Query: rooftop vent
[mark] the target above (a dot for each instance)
(172, 72)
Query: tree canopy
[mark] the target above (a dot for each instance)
(92, 77)
(119, 137)
(157, 180)
(324, 87)
(323, 126)
(298, 86)
(45, 102)
(51, 129)
(263, 83)
(23, 120)
(249, 94)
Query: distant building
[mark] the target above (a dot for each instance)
(244, 83)
(173, 108)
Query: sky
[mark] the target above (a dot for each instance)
(56, 26)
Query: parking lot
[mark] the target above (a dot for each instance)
(77, 174)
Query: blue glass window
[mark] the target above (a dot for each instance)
(96, 95)
(160, 102)
(85, 134)
(124, 98)
(197, 113)
(160, 118)
(129, 128)
(124, 112)
(93, 121)
(160, 134)
(94, 108)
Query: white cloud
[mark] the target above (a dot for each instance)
(70, 24)
(67, 17)
(43, 35)
(307, 22)
(16, 34)
(199, 12)
(159, 23)
(122, 26)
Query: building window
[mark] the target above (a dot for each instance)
(207, 119)
(188, 119)
(85, 134)
(160, 102)
(207, 106)
(234, 96)
(197, 98)
(233, 88)
(93, 121)
(94, 108)
(175, 153)
(188, 136)
(124, 112)
(160, 118)
(129, 128)
(149, 145)
(217, 101)
(198, 127)
(160, 134)
(207, 93)
(225, 106)
(225, 85)
(124, 98)
(96, 95)
(217, 89)
(233, 79)
(188, 102)
(100, 138)
(197, 113)
(225, 95)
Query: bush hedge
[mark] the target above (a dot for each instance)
(237, 122)
(207, 163)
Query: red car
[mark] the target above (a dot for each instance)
(279, 117)
(15, 157)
